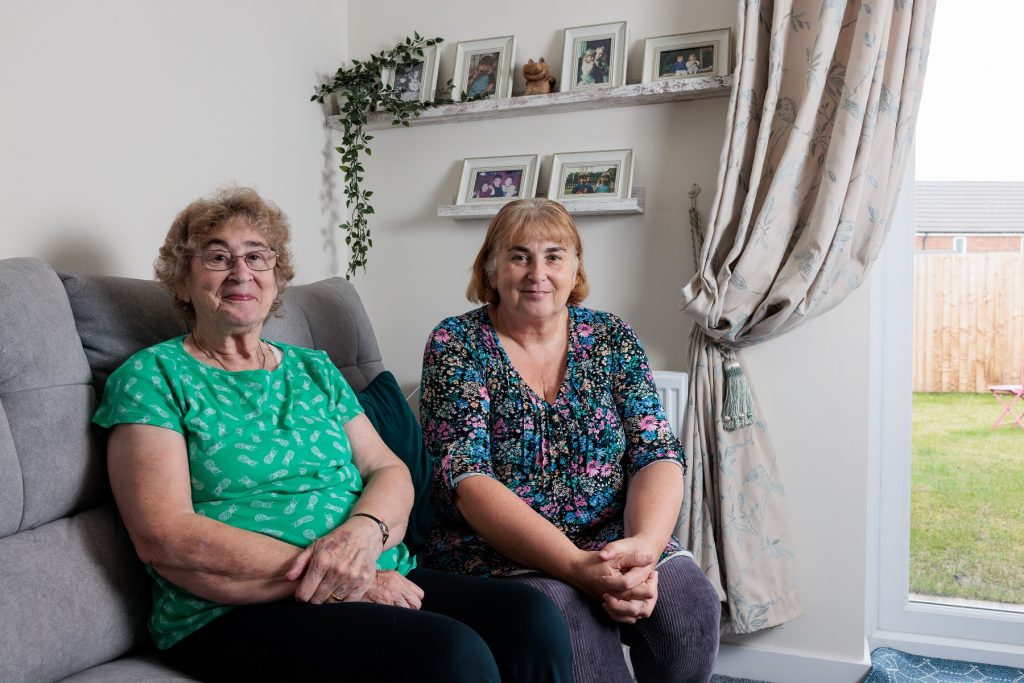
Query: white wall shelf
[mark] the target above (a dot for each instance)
(555, 103)
(577, 207)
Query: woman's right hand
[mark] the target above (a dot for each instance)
(341, 565)
(617, 575)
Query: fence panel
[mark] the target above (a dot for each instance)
(968, 321)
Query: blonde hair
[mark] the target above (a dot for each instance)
(203, 217)
(519, 222)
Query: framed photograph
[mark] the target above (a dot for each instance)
(592, 175)
(416, 80)
(594, 56)
(686, 55)
(496, 180)
(484, 67)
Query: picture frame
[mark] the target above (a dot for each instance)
(497, 180)
(417, 80)
(592, 175)
(687, 55)
(484, 66)
(594, 56)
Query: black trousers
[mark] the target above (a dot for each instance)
(470, 629)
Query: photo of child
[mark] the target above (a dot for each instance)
(497, 184)
(408, 81)
(686, 62)
(592, 63)
(587, 179)
(482, 76)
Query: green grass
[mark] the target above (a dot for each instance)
(967, 500)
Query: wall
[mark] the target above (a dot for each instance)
(117, 113)
(812, 383)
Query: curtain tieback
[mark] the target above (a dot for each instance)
(738, 410)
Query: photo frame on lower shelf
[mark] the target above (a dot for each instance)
(586, 176)
(634, 205)
(497, 180)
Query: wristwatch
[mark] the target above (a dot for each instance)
(385, 531)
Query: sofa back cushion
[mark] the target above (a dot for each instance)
(118, 316)
(72, 591)
(391, 416)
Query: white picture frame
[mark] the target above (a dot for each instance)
(582, 65)
(470, 55)
(687, 55)
(416, 80)
(581, 175)
(499, 174)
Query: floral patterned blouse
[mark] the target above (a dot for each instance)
(570, 460)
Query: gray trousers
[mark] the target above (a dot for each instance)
(678, 643)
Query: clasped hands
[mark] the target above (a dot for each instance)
(623, 576)
(342, 567)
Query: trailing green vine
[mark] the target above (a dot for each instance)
(362, 88)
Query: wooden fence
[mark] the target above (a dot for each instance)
(968, 321)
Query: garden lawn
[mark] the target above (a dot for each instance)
(967, 500)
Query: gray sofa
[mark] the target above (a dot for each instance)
(74, 599)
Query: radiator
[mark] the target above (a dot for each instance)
(672, 390)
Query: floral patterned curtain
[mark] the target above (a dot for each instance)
(820, 129)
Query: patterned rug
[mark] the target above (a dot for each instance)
(893, 666)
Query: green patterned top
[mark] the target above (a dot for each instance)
(267, 452)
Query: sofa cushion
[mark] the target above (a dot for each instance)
(118, 316)
(148, 668)
(74, 595)
(398, 427)
(50, 462)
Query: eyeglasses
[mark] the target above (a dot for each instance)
(219, 259)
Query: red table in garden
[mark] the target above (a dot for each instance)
(1008, 396)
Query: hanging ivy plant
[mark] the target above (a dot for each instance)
(362, 90)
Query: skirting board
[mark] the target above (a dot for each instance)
(778, 666)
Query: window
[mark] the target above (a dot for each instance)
(986, 635)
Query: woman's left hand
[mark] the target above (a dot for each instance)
(341, 565)
(391, 588)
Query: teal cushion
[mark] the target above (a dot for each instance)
(393, 419)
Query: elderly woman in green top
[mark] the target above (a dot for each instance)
(266, 508)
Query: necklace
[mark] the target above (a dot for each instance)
(259, 350)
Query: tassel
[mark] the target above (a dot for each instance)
(738, 410)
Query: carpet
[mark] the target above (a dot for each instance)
(718, 678)
(892, 666)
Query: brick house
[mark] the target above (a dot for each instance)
(969, 217)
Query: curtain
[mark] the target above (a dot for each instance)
(820, 127)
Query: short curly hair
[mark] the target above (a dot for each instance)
(197, 221)
(518, 222)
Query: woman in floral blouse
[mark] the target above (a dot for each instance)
(555, 465)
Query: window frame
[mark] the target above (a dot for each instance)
(931, 629)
